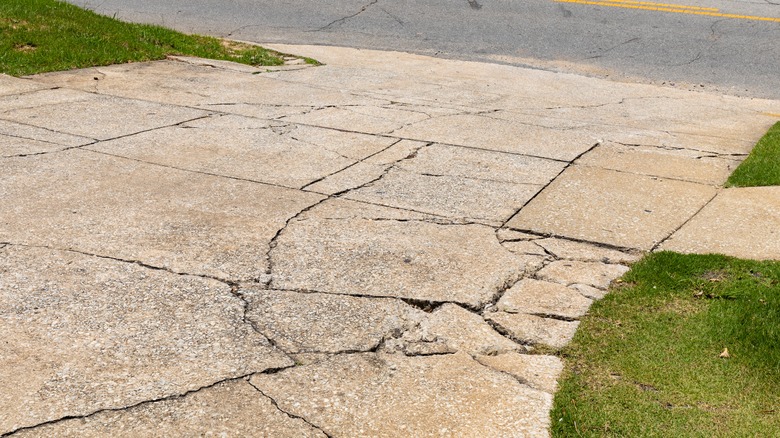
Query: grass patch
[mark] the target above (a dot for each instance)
(646, 360)
(38, 36)
(762, 166)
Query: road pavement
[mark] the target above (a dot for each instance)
(719, 45)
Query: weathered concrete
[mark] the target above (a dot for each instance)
(349, 238)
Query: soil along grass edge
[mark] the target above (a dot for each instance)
(762, 166)
(684, 345)
(38, 36)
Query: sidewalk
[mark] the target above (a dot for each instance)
(382, 246)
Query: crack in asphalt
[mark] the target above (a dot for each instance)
(344, 19)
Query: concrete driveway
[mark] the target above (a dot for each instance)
(387, 245)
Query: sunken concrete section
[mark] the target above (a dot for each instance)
(381, 246)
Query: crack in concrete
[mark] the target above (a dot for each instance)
(289, 414)
(35, 154)
(128, 407)
(623, 249)
(352, 165)
(569, 164)
(666, 178)
(344, 19)
(661, 242)
(711, 154)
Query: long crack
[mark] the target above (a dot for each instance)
(289, 414)
(128, 407)
(344, 19)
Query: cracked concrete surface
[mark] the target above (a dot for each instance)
(357, 249)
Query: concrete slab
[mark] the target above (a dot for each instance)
(534, 330)
(172, 219)
(740, 222)
(543, 298)
(90, 115)
(615, 208)
(217, 89)
(327, 323)
(536, 370)
(483, 132)
(387, 395)
(227, 409)
(17, 139)
(570, 272)
(12, 85)
(685, 165)
(489, 202)
(246, 148)
(83, 334)
(419, 260)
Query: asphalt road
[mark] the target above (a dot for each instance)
(693, 46)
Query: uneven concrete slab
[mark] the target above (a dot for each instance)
(536, 297)
(326, 323)
(686, 165)
(500, 135)
(82, 334)
(605, 206)
(227, 409)
(569, 272)
(571, 250)
(465, 331)
(393, 258)
(740, 222)
(91, 115)
(536, 370)
(534, 330)
(245, 148)
(179, 220)
(391, 395)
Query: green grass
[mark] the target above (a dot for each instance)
(38, 36)
(762, 166)
(645, 361)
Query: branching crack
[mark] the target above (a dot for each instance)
(289, 414)
(344, 19)
(125, 408)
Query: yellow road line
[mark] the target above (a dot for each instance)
(771, 115)
(667, 9)
(667, 5)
